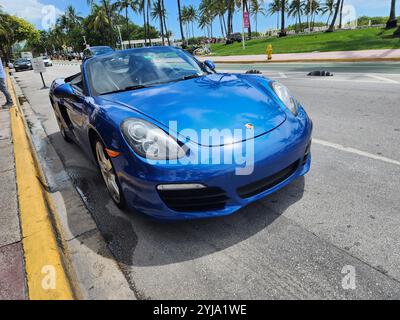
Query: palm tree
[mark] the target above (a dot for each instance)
(328, 7)
(283, 7)
(256, 8)
(180, 21)
(333, 22)
(275, 8)
(341, 14)
(311, 10)
(392, 22)
(230, 7)
(105, 12)
(148, 8)
(204, 23)
(207, 13)
(220, 9)
(125, 5)
(142, 10)
(158, 14)
(296, 9)
(101, 21)
(164, 16)
(189, 17)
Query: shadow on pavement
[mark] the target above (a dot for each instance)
(135, 240)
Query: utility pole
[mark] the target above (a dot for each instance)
(310, 16)
(243, 39)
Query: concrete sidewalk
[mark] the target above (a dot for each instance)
(12, 270)
(334, 56)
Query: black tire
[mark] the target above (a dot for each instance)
(120, 199)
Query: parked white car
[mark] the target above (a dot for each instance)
(47, 62)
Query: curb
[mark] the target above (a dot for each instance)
(45, 252)
(307, 60)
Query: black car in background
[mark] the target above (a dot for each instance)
(23, 64)
(234, 37)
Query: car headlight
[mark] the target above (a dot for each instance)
(286, 97)
(149, 141)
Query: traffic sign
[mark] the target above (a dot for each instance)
(38, 65)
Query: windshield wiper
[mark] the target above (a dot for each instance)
(191, 76)
(129, 88)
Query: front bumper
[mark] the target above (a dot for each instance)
(280, 157)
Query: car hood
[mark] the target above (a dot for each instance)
(216, 101)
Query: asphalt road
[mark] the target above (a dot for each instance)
(295, 243)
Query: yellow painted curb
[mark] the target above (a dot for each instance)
(46, 271)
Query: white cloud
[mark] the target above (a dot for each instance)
(31, 10)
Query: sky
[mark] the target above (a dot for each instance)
(37, 11)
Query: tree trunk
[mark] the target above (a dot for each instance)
(256, 25)
(144, 22)
(224, 23)
(148, 20)
(283, 31)
(127, 27)
(165, 22)
(161, 25)
(397, 32)
(392, 22)
(299, 22)
(277, 20)
(180, 22)
(222, 26)
(332, 26)
(329, 18)
(341, 14)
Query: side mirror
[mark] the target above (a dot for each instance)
(65, 91)
(210, 64)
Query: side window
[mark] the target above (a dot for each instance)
(77, 83)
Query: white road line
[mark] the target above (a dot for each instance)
(355, 151)
(374, 76)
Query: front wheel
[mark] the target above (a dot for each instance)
(108, 173)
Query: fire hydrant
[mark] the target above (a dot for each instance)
(269, 51)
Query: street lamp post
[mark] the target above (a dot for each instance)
(120, 37)
(243, 39)
(309, 18)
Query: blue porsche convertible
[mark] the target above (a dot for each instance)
(174, 139)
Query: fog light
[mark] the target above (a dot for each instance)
(187, 186)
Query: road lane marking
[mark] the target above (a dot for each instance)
(283, 75)
(355, 151)
(374, 76)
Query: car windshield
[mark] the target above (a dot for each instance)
(139, 68)
(101, 50)
(22, 61)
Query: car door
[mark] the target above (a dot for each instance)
(76, 110)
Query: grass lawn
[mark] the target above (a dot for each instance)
(363, 39)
